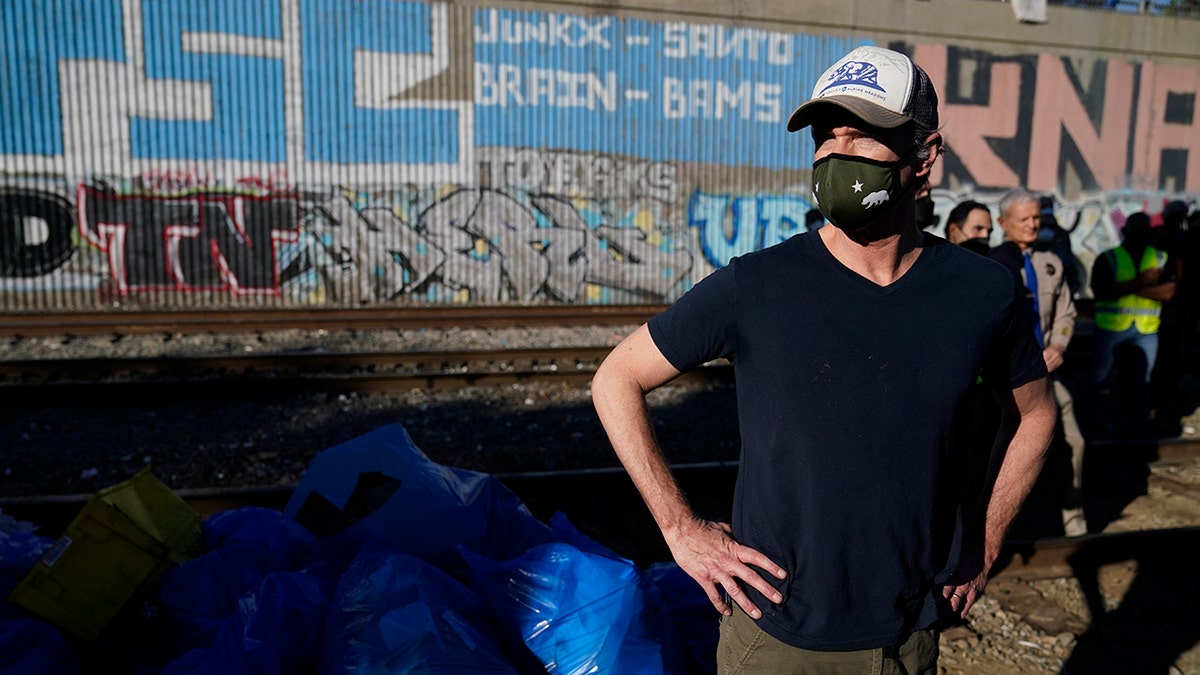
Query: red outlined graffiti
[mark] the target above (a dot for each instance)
(189, 243)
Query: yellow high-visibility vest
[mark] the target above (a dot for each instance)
(1132, 309)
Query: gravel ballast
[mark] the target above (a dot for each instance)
(1019, 626)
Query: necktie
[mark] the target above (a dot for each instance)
(1032, 285)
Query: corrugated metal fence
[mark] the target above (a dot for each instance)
(364, 152)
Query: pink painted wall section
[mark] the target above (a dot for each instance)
(1061, 116)
(1062, 125)
(1160, 129)
(966, 126)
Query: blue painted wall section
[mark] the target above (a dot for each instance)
(36, 36)
(337, 130)
(661, 91)
(247, 91)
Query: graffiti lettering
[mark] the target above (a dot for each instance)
(635, 258)
(203, 242)
(1050, 125)
(1165, 143)
(547, 29)
(732, 226)
(1069, 135)
(483, 245)
(501, 244)
(507, 85)
(35, 233)
(681, 41)
(705, 99)
(388, 257)
(571, 174)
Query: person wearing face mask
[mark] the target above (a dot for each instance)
(969, 224)
(855, 533)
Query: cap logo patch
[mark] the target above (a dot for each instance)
(859, 73)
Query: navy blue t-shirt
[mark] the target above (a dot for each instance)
(847, 394)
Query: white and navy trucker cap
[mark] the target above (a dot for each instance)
(882, 87)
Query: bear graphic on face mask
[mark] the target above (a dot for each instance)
(875, 198)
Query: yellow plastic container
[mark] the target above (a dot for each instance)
(123, 539)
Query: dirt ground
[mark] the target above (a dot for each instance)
(1127, 611)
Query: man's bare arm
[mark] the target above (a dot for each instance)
(1023, 462)
(705, 550)
(1037, 413)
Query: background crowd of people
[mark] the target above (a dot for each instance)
(1145, 311)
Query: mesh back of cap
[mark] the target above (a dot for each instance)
(923, 105)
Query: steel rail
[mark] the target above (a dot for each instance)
(131, 322)
(320, 371)
(298, 362)
(604, 503)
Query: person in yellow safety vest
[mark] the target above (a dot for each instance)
(1130, 287)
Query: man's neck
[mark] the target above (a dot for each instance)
(881, 260)
(1021, 246)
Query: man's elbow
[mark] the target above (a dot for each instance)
(605, 379)
(1040, 411)
(618, 375)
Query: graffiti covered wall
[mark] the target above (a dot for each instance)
(362, 152)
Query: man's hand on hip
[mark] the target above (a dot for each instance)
(708, 552)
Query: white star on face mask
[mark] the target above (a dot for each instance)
(857, 185)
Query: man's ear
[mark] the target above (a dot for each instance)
(934, 143)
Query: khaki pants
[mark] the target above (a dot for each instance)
(745, 648)
(1071, 432)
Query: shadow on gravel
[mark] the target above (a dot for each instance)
(1156, 620)
(1119, 452)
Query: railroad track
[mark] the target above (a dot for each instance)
(324, 371)
(604, 504)
(138, 322)
(598, 500)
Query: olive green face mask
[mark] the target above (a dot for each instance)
(854, 192)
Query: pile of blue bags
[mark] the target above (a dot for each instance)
(386, 562)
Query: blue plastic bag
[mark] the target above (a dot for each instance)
(676, 614)
(394, 613)
(245, 545)
(410, 503)
(688, 616)
(276, 630)
(575, 611)
(35, 646)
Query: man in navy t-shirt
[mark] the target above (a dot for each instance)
(856, 528)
